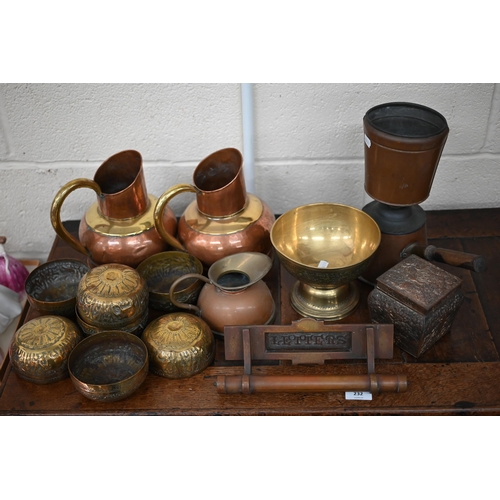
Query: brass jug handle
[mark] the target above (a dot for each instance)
(55, 211)
(182, 305)
(160, 207)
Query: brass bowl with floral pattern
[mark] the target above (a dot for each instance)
(112, 297)
(180, 345)
(40, 349)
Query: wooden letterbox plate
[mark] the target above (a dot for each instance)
(308, 341)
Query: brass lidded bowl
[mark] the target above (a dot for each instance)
(159, 272)
(40, 349)
(135, 327)
(112, 297)
(51, 288)
(179, 344)
(326, 247)
(109, 366)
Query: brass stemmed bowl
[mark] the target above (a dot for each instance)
(326, 247)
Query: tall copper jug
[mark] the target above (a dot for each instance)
(119, 227)
(223, 219)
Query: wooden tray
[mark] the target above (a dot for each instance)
(458, 375)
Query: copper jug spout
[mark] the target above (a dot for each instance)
(123, 186)
(221, 183)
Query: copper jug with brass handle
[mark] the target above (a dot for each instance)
(223, 219)
(119, 227)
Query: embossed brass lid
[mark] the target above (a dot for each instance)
(40, 349)
(179, 345)
(112, 296)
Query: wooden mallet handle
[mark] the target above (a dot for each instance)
(469, 261)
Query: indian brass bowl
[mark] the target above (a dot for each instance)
(161, 270)
(51, 288)
(112, 297)
(40, 349)
(135, 328)
(326, 247)
(108, 366)
(179, 344)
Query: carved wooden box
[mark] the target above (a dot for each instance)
(420, 299)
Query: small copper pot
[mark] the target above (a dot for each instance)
(234, 293)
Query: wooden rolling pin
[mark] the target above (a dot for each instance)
(250, 384)
(469, 261)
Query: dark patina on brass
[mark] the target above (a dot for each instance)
(161, 270)
(311, 341)
(109, 366)
(51, 288)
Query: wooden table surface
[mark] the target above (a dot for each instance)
(459, 375)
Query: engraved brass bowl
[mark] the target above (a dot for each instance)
(326, 247)
(51, 288)
(135, 328)
(161, 270)
(40, 349)
(180, 345)
(109, 366)
(112, 297)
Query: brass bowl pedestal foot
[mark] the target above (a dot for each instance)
(326, 304)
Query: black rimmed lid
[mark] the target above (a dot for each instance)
(408, 120)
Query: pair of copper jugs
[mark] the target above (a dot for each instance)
(126, 225)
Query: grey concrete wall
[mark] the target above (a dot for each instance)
(308, 143)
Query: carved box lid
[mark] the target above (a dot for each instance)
(418, 283)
